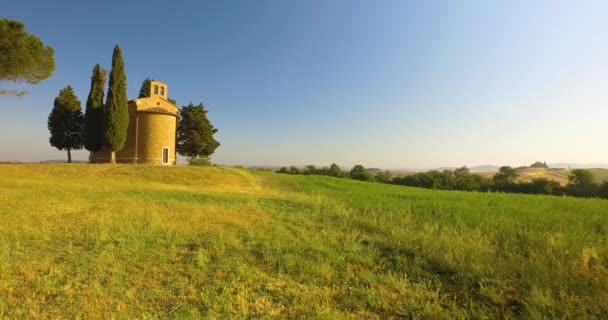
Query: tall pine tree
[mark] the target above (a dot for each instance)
(117, 112)
(66, 122)
(195, 132)
(93, 116)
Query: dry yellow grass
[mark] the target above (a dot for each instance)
(123, 241)
(558, 175)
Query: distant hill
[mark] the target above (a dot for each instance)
(556, 171)
(487, 168)
(556, 174)
(600, 174)
(578, 165)
(476, 169)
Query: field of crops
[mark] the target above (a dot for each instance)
(128, 241)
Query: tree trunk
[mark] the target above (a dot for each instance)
(69, 156)
(113, 157)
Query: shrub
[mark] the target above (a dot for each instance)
(199, 161)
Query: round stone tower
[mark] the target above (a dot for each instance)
(151, 133)
(155, 127)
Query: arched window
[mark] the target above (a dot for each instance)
(155, 89)
(162, 91)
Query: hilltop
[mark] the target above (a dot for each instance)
(124, 241)
(560, 175)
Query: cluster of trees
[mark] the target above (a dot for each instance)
(105, 124)
(581, 182)
(462, 179)
(333, 171)
(459, 179)
(358, 172)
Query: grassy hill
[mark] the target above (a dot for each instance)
(556, 174)
(125, 241)
(559, 175)
(600, 174)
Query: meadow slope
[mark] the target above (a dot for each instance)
(559, 175)
(125, 241)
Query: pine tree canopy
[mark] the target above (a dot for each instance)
(116, 110)
(93, 116)
(23, 56)
(195, 132)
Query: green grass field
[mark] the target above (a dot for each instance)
(103, 241)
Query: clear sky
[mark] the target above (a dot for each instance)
(391, 84)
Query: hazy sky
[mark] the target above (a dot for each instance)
(392, 84)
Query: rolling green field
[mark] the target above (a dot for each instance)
(121, 241)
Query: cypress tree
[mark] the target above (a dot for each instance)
(144, 90)
(93, 116)
(116, 112)
(66, 123)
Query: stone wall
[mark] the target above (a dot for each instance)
(156, 131)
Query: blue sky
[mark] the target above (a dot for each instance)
(391, 84)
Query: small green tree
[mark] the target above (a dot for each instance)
(505, 177)
(358, 172)
(581, 183)
(283, 170)
(294, 170)
(336, 171)
(544, 186)
(384, 177)
(66, 123)
(23, 56)
(199, 161)
(310, 169)
(116, 111)
(93, 116)
(603, 190)
(464, 180)
(195, 133)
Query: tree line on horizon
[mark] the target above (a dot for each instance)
(105, 124)
(581, 182)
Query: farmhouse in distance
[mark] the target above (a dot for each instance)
(151, 132)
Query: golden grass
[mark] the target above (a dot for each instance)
(558, 175)
(122, 241)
